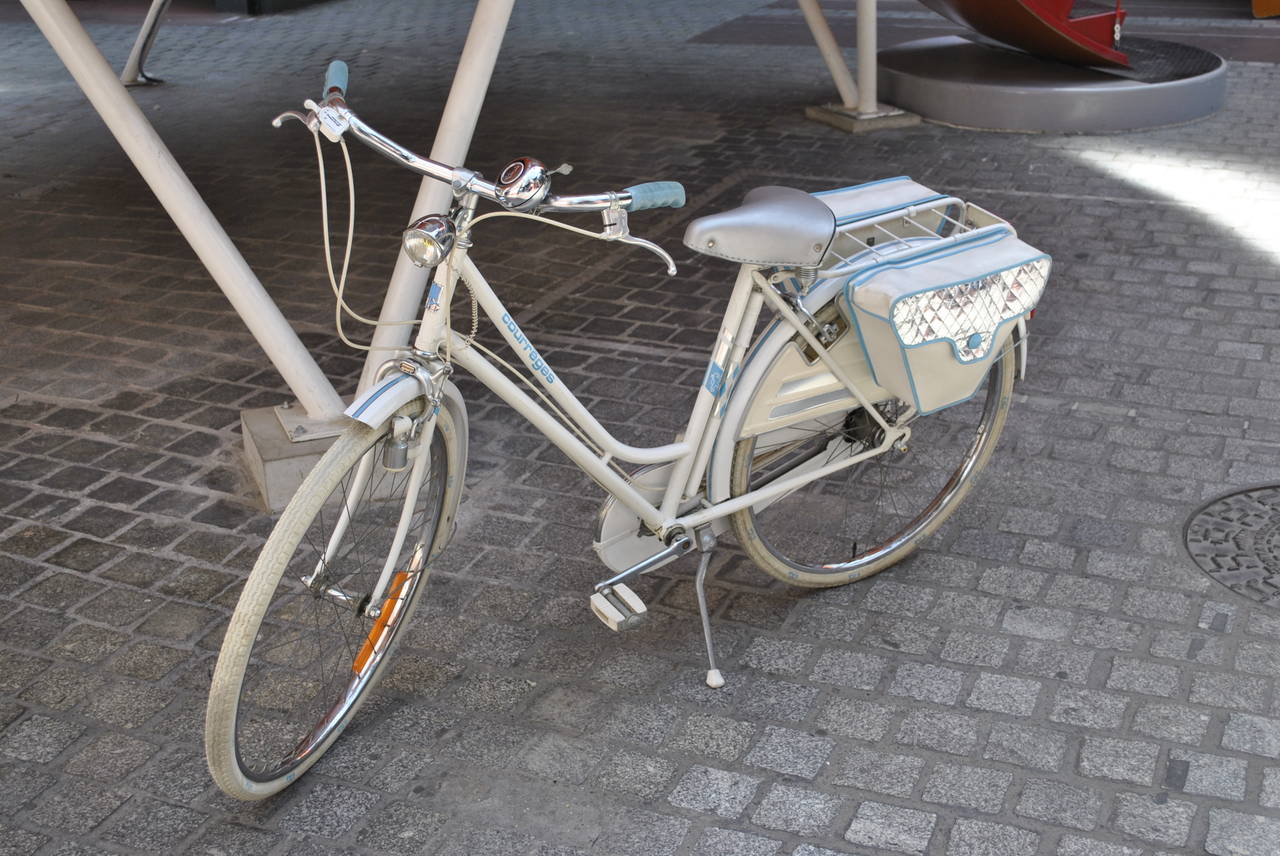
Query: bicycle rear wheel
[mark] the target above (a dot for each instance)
(300, 654)
(862, 519)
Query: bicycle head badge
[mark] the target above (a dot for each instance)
(429, 240)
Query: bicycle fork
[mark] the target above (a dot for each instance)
(404, 431)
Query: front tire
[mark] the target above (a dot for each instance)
(299, 660)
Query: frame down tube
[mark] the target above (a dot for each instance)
(560, 394)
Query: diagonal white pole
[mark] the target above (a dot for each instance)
(133, 75)
(453, 139)
(194, 219)
(830, 50)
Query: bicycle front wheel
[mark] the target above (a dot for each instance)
(860, 520)
(302, 652)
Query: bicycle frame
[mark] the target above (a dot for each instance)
(688, 456)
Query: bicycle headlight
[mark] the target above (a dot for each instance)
(429, 240)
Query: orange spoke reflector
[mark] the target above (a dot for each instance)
(390, 609)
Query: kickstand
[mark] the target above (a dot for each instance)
(707, 543)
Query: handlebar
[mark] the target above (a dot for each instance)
(333, 118)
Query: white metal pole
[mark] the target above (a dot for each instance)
(830, 50)
(194, 219)
(133, 73)
(867, 58)
(453, 139)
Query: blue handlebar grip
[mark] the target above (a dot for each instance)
(335, 77)
(656, 194)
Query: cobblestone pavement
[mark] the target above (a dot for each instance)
(1049, 675)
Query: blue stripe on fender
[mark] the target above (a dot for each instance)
(376, 395)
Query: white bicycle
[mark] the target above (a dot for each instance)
(831, 440)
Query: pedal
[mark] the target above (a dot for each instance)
(619, 607)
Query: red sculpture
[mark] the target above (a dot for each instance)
(1044, 28)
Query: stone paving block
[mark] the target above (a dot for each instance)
(881, 772)
(888, 827)
(714, 736)
(19, 842)
(642, 776)
(559, 758)
(1212, 775)
(904, 635)
(1171, 722)
(792, 752)
(898, 598)
(968, 787)
(1122, 760)
(810, 850)
(1104, 631)
(814, 620)
(854, 718)
(776, 656)
(148, 825)
(77, 806)
(767, 698)
(980, 838)
(1060, 804)
(110, 757)
(945, 732)
(965, 608)
(1233, 832)
(975, 649)
(233, 838)
(38, 738)
(1004, 694)
(1158, 819)
(641, 723)
(923, 682)
(1257, 735)
(727, 842)
(705, 789)
(1050, 660)
(1080, 592)
(1038, 622)
(1232, 691)
(1075, 845)
(1133, 675)
(1088, 708)
(796, 810)
(849, 669)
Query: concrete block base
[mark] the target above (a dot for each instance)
(278, 465)
(848, 119)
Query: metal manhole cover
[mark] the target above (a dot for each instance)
(1236, 540)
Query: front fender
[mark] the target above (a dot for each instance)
(380, 402)
(377, 403)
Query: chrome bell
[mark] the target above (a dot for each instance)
(429, 240)
(523, 184)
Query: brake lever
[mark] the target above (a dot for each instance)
(308, 119)
(616, 229)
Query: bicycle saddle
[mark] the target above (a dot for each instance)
(773, 226)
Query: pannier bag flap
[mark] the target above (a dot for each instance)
(932, 321)
(961, 295)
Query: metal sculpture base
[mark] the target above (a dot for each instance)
(977, 84)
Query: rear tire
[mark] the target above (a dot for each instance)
(860, 520)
